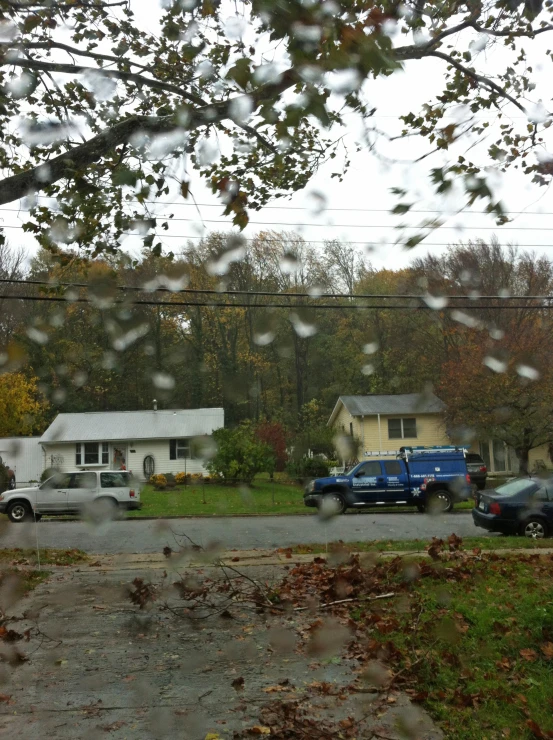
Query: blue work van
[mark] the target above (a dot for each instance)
(429, 478)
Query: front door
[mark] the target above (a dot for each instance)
(81, 490)
(368, 483)
(118, 456)
(52, 494)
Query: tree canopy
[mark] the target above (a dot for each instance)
(102, 112)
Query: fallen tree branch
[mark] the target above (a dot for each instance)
(347, 601)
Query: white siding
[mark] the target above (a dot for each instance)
(62, 456)
(24, 457)
(159, 450)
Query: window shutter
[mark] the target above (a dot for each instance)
(78, 453)
(172, 449)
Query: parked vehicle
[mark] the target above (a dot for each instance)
(430, 478)
(99, 494)
(477, 470)
(520, 506)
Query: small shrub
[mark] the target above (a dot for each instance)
(48, 473)
(180, 478)
(308, 467)
(158, 481)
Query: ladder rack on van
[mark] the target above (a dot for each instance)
(404, 452)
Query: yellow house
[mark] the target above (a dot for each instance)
(385, 423)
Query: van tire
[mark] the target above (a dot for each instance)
(19, 511)
(439, 502)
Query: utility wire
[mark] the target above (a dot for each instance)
(295, 307)
(345, 226)
(279, 294)
(300, 208)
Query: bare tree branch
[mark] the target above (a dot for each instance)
(483, 81)
(73, 69)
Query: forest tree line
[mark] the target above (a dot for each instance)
(104, 348)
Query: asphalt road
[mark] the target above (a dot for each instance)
(143, 536)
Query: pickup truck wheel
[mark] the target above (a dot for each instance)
(335, 502)
(19, 511)
(439, 502)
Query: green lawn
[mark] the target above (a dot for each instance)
(474, 644)
(263, 497)
(49, 556)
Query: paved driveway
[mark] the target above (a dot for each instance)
(135, 535)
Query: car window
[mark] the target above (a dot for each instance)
(473, 458)
(369, 469)
(392, 467)
(83, 480)
(540, 495)
(59, 480)
(519, 485)
(114, 480)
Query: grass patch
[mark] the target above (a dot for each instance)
(261, 498)
(488, 543)
(477, 643)
(21, 581)
(50, 556)
(468, 636)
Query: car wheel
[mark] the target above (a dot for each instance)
(439, 502)
(535, 528)
(104, 509)
(19, 511)
(332, 503)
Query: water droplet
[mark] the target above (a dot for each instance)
(129, 337)
(235, 251)
(370, 348)
(164, 381)
(525, 371)
(479, 44)
(165, 144)
(307, 33)
(498, 366)
(205, 69)
(436, 302)
(316, 203)
(207, 151)
(80, 378)
(263, 339)
(267, 74)
(367, 369)
(538, 113)
(343, 81)
(289, 263)
(235, 27)
(103, 88)
(301, 327)
(37, 335)
(240, 108)
(8, 31)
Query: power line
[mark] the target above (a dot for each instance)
(301, 208)
(279, 294)
(347, 226)
(212, 304)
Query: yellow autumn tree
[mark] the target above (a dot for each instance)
(22, 406)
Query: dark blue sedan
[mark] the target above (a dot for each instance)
(521, 506)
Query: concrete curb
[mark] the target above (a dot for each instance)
(248, 558)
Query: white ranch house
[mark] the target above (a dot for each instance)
(144, 442)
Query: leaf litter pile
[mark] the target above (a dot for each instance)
(466, 635)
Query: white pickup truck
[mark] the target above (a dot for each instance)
(93, 493)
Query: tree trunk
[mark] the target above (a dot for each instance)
(523, 455)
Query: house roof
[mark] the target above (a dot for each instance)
(114, 426)
(399, 403)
